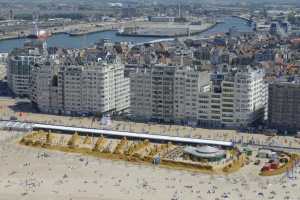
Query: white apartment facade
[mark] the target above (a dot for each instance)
(93, 88)
(151, 93)
(141, 93)
(233, 97)
(187, 84)
(166, 93)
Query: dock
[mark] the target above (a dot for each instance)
(165, 30)
(81, 32)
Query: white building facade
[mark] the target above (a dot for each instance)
(236, 97)
(93, 88)
(231, 97)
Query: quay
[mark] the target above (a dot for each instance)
(165, 30)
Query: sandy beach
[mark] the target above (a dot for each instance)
(31, 173)
(24, 111)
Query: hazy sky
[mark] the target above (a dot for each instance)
(160, 1)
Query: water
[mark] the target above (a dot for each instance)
(229, 22)
(64, 40)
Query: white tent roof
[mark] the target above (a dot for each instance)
(134, 135)
(204, 152)
(207, 149)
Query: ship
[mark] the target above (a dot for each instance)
(121, 30)
(37, 33)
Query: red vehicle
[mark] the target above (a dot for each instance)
(266, 168)
(274, 165)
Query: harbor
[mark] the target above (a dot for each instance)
(143, 100)
(82, 40)
(170, 29)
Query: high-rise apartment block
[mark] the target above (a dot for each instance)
(231, 97)
(236, 97)
(151, 92)
(19, 66)
(284, 105)
(90, 88)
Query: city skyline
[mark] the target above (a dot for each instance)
(147, 100)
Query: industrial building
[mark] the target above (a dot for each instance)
(161, 19)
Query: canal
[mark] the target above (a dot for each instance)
(66, 41)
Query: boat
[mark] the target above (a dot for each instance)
(121, 30)
(38, 34)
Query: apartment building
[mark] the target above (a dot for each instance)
(19, 66)
(151, 92)
(284, 105)
(141, 93)
(162, 90)
(166, 93)
(90, 88)
(187, 83)
(229, 97)
(235, 97)
(251, 96)
(44, 88)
